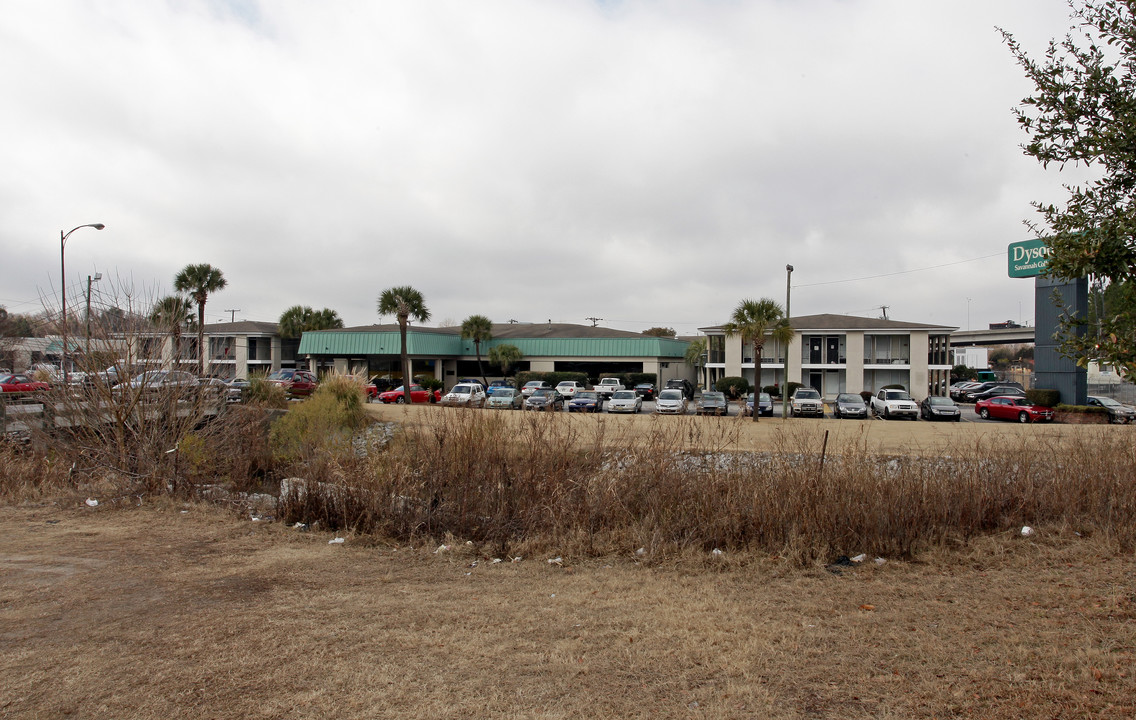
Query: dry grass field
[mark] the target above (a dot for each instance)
(162, 608)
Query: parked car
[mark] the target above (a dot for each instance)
(587, 401)
(1012, 408)
(418, 394)
(508, 398)
(159, 380)
(533, 385)
(236, 388)
(764, 405)
(849, 405)
(958, 390)
(806, 401)
(296, 383)
(682, 384)
(544, 399)
(890, 403)
(937, 407)
(712, 402)
(645, 391)
(671, 401)
(1117, 412)
(626, 401)
(983, 387)
(569, 388)
(19, 382)
(500, 383)
(996, 391)
(465, 395)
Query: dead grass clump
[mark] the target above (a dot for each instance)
(537, 480)
(28, 474)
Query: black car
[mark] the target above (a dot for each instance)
(936, 407)
(1010, 390)
(645, 391)
(971, 392)
(683, 384)
(1117, 412)
(544, 399)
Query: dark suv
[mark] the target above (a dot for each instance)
(683, 384)
(980, 389)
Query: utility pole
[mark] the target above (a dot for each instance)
(595, 320)
(232, 314)
(757, 361)
(884, 309)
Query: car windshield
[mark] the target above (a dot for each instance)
(460, 390)
(934, 400)
(624, 395)
(808, 394)
(1108, 402)
(533, 383)
(542, 392)
(897, 395)
(585, 396)
(567, 383)
(282, 375)
(849, 398)
(715, 396)
(644, 386)
(670, 395)
(1020, 401)
(764, 397)
(503, 392)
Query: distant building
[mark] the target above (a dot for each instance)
(838, 353)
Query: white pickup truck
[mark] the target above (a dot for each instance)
(607, 386)
(890, 404)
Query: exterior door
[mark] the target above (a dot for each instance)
(815, 351)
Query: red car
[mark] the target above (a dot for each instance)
(1012, 408)
(18, 382)
(297, 383)
(417, 393)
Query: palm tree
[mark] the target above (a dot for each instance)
(300, 318)
(479, 329)
(752, 319)
(198, 281)
(171, 314)
(696, 355)
(505, 356)
(404, 303)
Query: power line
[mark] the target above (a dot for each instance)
(901, 272)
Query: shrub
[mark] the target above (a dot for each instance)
(773, 390)
(634, 379)
(324, 422)
(894, 386)
(867, 395)
(791, 387)
(1044, 397)
(262, 392)
(734, 387)
(1075, 409)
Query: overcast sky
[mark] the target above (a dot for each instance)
(645, 162)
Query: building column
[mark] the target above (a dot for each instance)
(275, 353)
(854, 361)
(793, 361)
(241, 357)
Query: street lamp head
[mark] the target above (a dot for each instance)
(98, 276)
(789, 268)
(98, 226)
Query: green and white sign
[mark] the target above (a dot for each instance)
(1028, 258)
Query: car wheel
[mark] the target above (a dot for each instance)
(958, 418)
(1023, 417)
(984, 414)
(887, 413)
(400, 400)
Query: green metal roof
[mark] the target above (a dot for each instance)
(341, 343)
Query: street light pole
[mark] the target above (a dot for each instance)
(63, 292)
(98, 276)
(785, 388)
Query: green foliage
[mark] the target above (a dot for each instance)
(734, 387)
(1076, 409)
(963, 372)
(696, 353)
(791, 387)
(894, 386)
(431, 383)
(1043, 397)
(505, 356)
(324, 423)
(404, 302)
(262, 392)
(752, 319)
(660, 332)
(772, 390)
(1081, 113)
(867, 395)
(199, 281)
(298, 319)
(634, 379)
